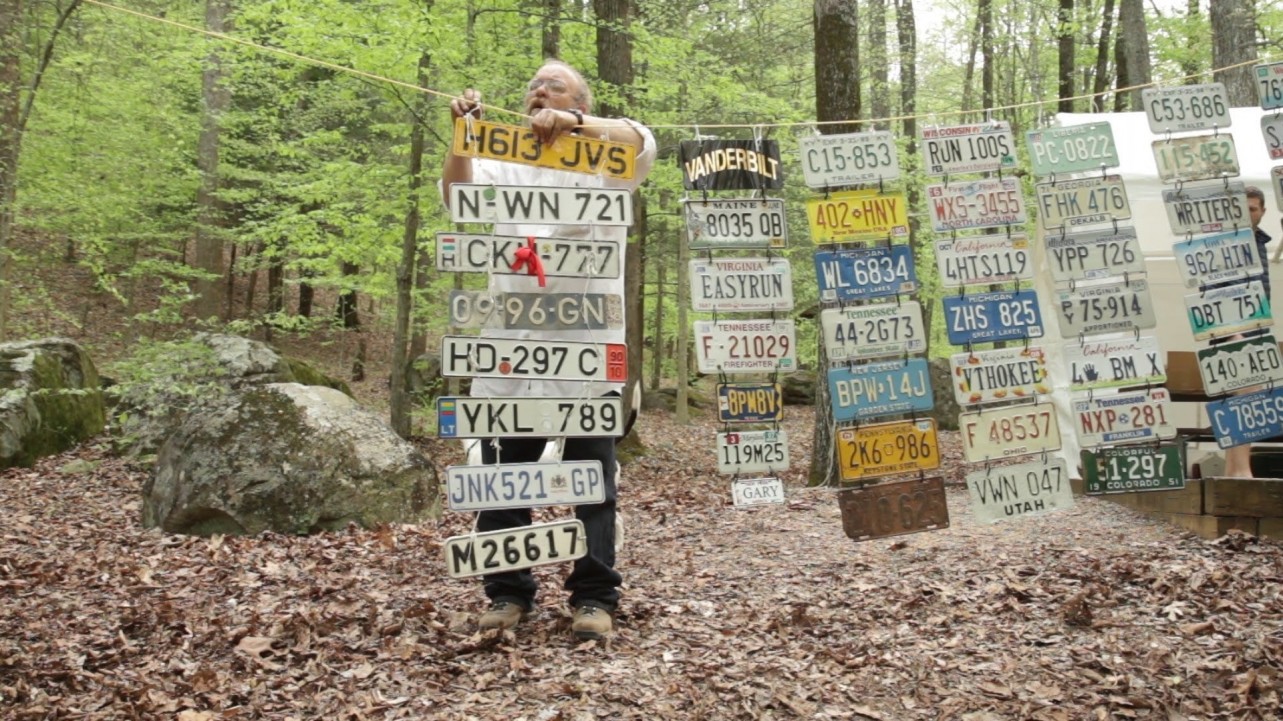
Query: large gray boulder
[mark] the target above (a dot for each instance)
(289, 458)
(51, 400)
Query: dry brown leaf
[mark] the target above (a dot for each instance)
(1195, 629)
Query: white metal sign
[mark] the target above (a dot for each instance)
(1201, 157)
(872, 331)
(1276, 180)
(1186, 107)
(460, 417)
(482, 203)
(1107, 307)
(536, 311)
(756, 492)
(746, 346)
(513, 549)
(736, 223)
(831, 161)
(1092, 254)
(999, 375)
(1229, 367)
(1217, 258)
(1228, 310)
(1072, 149)
(1123, 418)
(976, 204)
(980, 148)
(1269, 84)
(741, 284)
(1009, 431)
(752, 452)
(1097, 199)
(984, 259)
(524, 485)
(1208, 209)
(1272, 131)
(468, 253)
(1114, 362)
(1025, 489)
(473, 357)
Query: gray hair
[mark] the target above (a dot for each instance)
(583, 96)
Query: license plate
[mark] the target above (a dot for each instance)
(562, 258)
(1071, 203)
(984, 259)
(1276, 179)
(1009, 431)
(999, 375)
(986, 317)
(483, 203)
(1201, 157)
(1233, 366)
(979, 148)
(872, 331)
(1251, 417)
(756, 491)
(977, 204)
(1272, 131)
(863, 273)
(536, 311)
(1217, 258)
(1111, 363)
(1229, 310)
(746, 346)
(858, 215)
(741, 284)
(882, 449)
(880, 389)
(730, 164)
(752, 452)
(1206, 210)
(1269, 84)
(733, 224)
(524, 485)
(1025, 489)
(894, 509)
(750, 402)
(1072, 149)
(1186, 107)
(1105, 308)
(1134, 468)
(1091, 254)
(459, 417)
(517, 144)
(1123, 418)
(473, 357)
(514, 549)
(831, 161)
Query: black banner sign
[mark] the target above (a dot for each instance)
(731, 165)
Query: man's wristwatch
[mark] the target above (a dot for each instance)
(579, 119)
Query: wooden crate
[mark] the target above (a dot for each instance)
(1259, 497)
(1208, 526)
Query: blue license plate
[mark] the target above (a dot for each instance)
(749, 402)
(880, 389)
(987, 317)
(1247, 418)
(865, 272)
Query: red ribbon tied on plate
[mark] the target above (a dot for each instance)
(529, 258)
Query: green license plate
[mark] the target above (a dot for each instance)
(1134, 468)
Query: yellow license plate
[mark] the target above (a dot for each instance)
(882, 449)
(858, 215)
(517, 144)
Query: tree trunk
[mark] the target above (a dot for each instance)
(985, 19)
(657, 335)
(880, 102)
(1133, 63)
(209, 240)
(907, 38)
(837, 64)
(551, 28)
(969, 74)
(306, 294)
(10, 140)
(635, 308)
(1234, 43)
(346, 309)
(1065, 34)
(1100, 82)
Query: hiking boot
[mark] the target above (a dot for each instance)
(502, 613)
(591, 622)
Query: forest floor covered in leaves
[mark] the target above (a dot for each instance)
(770, 613)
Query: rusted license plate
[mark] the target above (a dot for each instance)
(894, 509)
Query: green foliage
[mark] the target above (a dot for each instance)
(158, 382)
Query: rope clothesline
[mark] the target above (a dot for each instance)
(692, 126)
